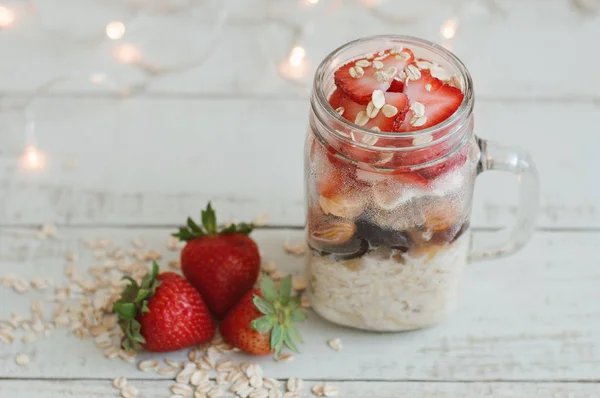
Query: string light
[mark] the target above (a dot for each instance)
(297, 56)
(98, 78)
(115, 30)
(295, 66)
(127, 54)
(7, 17)
(32, 158)
(449, 28)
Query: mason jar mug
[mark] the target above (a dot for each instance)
(388, 212)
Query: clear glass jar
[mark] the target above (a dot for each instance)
(388, 214)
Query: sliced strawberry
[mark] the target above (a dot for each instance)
(411, 178)
(347, 108)
(350, 110)
(385, 123)
(396, 87)
(359, 86)
(451, 163)
(332, 173)
(336, 98)
(440, 101)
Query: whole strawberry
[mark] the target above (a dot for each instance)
(222, 265)
(263, 321)
(163, 313)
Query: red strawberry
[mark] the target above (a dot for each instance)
(361, 87)
(456, 160)
(163, 313)
(222, 265)
(396, 87)
(263, 320)
(340, 100)
(350, 110)
(440, 100)
(411, 178)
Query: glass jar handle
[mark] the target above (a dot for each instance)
(495, 156)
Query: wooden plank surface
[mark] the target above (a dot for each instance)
(532, 317)
(504, 43)
(156, 389)
(154, 161)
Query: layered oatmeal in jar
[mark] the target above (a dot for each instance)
(390, 163)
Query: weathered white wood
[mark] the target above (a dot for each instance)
(507, 44)
(160, 389)
(530, 317)
(155, 161)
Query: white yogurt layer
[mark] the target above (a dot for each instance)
(380, 294)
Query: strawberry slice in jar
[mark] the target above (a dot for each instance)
(358, 79)
(340, 194)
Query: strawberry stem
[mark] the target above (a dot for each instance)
(209, 227)
(281, 310)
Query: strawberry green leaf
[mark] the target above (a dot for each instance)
(130, 291)
(289, 343)
(277, 335)
(268, 289)
(294, 303)
(208, 217)
(241, 228)
(285, 289)
(135, 332)
(133, 302)
(142, 294)
(155, 270)
(263, 305)
(130, 279)
(294, 334)
(184, 234)
(209, 220)
(263, 324)
(194, 227)
(298, 315)
(124, 310)
(281, 310)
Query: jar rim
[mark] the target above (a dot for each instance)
(463, 112)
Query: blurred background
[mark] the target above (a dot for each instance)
(135, 112)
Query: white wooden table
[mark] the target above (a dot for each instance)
(131, 149)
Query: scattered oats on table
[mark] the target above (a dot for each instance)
(336, 344)
(22, 360)
(285, 358)
(305, 301)
(325, 390)
(294, 384)
(299, 283)
(276, 275)
(119, 382)
(47, 230)
(148, 365)
(297, 249)
(182, 389)
(138, 243)
(261, 220)
(129, 391)
(268, 266)
(174, 244)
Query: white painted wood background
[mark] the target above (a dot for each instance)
(193, 121)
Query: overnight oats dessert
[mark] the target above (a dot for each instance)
(390, 166)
